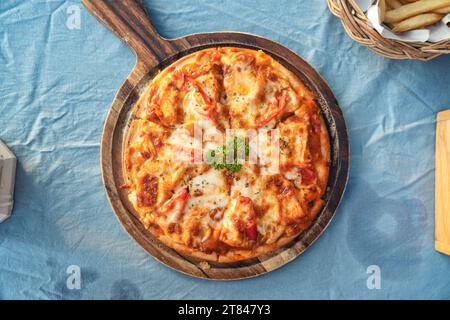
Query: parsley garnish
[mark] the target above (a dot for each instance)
(234, 145)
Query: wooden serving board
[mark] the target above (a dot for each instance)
(130, 22)
(8, 164)
(442, 192)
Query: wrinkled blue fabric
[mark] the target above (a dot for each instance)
(56, 87)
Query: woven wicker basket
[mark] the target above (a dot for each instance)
(359, 29)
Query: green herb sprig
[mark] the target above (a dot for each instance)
(235, 144)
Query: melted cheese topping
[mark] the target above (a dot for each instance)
(217, 211)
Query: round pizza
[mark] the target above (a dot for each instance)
(227, 155)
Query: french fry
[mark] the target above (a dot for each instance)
(394, 4)
(381, 10)
(417, 22)
(444, 10)
(414, 9)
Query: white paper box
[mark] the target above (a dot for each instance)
(7, 178)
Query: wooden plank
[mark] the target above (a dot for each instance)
(443, 115)
(442, 191)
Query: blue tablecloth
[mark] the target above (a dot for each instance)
(57, 83)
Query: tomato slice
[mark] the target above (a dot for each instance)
(250, 227)
(177, 203)
(209, 110)
(306, 174)
(274, 111)
(252, 231)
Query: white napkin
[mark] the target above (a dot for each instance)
(7, 178)
(434, 33)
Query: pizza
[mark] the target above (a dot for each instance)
(227, 155)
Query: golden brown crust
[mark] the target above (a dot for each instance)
(165, 193)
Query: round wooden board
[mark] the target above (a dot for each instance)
(130, 22)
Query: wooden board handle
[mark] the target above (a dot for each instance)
(128, 19)
(442, 191)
